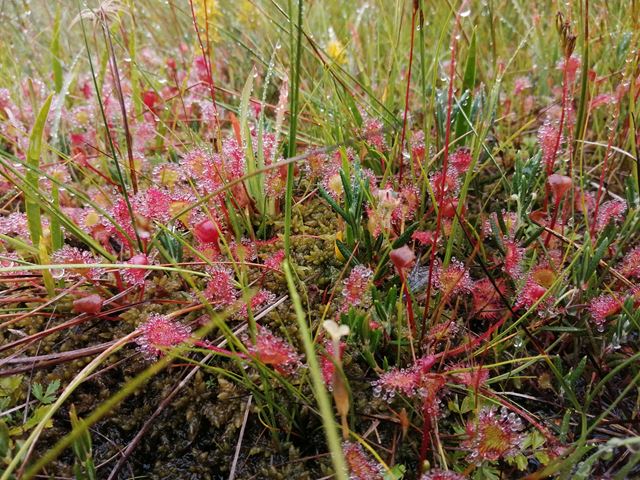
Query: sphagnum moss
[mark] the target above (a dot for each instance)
(531, 293)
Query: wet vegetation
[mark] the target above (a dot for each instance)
(301, 239)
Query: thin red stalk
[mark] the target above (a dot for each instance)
(553, 221)
(552, 161)
(205, 57)
(98, 172)
(406, 96)
(440, 193)
(222, 351)
(426, 431)
(125, 122)
(474, 342)
(426, 428)
(603, 173)
(410, 315)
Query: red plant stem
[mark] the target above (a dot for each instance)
(98, 172)
(553, 221)
(406, 96)
(125, 122)
(410, 316)
(119, 283)
(426, 430)
(222, 351)
(603, 173)
(552, 161)
(474, 342)
(205, 58)
(440, 192)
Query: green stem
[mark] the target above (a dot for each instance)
(322, 397)
(293, 124)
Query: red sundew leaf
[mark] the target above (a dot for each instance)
(610, 211)
(91, 304)
(493, 435)
(361, 467)
(206, 231)
(159, 332)
(402, 257)
(274, 351)
(136, 276)
(559, 185)
(630, 265)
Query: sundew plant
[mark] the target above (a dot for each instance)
(319, 239)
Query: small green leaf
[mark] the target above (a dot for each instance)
(521, 461)
(406, 235)
(36, 389)
(8, 385)
(468, 404)
(52, 388)
(34, 420)
(542, 456)
(48, 396)
(396, 473)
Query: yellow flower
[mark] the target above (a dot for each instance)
(206, 13)
(336, 51)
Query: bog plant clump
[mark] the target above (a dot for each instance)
(294, 239)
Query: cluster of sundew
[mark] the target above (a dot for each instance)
(603, 307)
(413, 381)
(552, 136)
(360, 465)
(452, 279)
(68, 255)
(493, 435)
(159, 333)
(486, 298)
(356, 286)
(610, 211)
(273, 351)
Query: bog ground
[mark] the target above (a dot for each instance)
(304, 239)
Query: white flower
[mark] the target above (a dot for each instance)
(336, 332)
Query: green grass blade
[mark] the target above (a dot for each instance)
(469, 80)
(34, 151)
(321, 395)
(56, 65)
